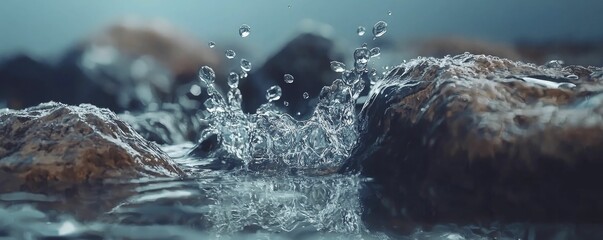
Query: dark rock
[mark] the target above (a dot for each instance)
(469, 139)
(307, 57)
(171, 124)
(56, 146)
(129, 65)
(26, 81)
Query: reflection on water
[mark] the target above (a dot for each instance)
(233, 204)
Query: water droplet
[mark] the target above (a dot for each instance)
(376, 51)
(273, 93)
(379, 29)
(288, 78)
(361, 58)
(244, 30)
(350, 77)
(211, 44)
(337, 66)
(364, 45)
(289, 6)
(207, 75)
(233, 80)
(286, 103)
(306, 95)
(245, 65)
(243, 74)
(195, 90)
(361, 30)
(573, 76)
(230, 54)
(373, 76)
(389, 13)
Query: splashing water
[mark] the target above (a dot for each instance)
(337, 66)
(274, 138)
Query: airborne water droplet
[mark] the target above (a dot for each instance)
(207, 75)
(376, 51)
(337, 66)
(233, 80)
(361, 58)
(211, 44)
(389, 13)
(242, 75)
(286, 103)
(230, 54)
(288, 78)
(273, 93)
(245, 65)
(379, 29)
(361, 30)
(244, 30)
(306, 95)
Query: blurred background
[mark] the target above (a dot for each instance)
(142, 54)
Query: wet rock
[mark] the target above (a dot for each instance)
(476, 139)
(442, 46)
(307, 58)
(171, 124)
(56, 146)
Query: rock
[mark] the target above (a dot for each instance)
(169, 125)
(477, 139)
(54, 146)
(129, 65)
(307, 57)
(442, 46)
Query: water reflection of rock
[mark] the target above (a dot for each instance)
(476, 139)
(54, 147)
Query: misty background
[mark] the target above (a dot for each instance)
(46, 28)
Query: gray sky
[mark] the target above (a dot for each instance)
(45, 28)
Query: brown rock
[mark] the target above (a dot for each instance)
(56, 146)
(176, 49)
(470, 139)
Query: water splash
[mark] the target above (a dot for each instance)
(337, 66)
(273, 138)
